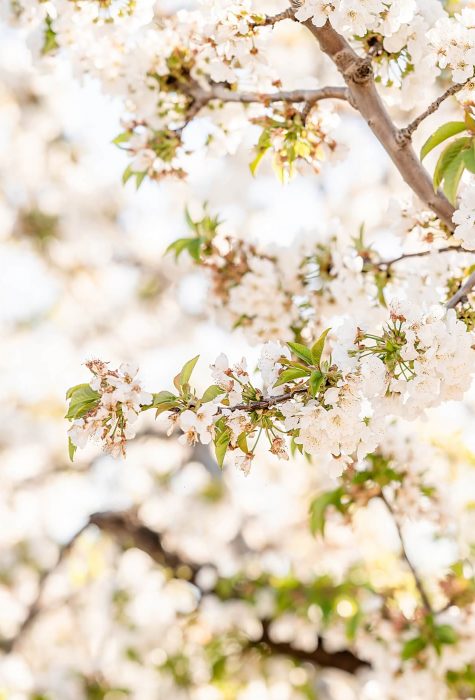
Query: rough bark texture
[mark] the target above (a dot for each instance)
(358, 76)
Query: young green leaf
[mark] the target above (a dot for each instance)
(452, 177)
(211, 393)
(302, 352)
(71, 449)
(187, 370)
(242, 443)
(221, 445)
(315, 382)
(441, 134)
(413, 647)
(290, 374)
(255, 163)
(317, 348)
(81, 400)
(319, 507)
(448, 155)
(179, 246)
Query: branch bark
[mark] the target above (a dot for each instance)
(128, 531)
(433, 107)
(358, 76)
(459, 296)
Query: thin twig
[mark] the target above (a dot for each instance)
(407, 131)
(270, 20)
(448, 249)
(417, 580)
(462, 292)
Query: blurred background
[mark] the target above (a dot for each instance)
(105, 614)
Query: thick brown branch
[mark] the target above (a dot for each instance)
(344, 660)
(452, 90)
(129, 531)
(358, 75)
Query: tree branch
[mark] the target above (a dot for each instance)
(417, 580)
(358, 76)
(270, 20)
(452, 90)
(422, 253)
(201, 97)
(129, 531)
(462, 292)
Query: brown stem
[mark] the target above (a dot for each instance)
(223, 94)
(417, 580)
(270, 20)
(358, 76)
(448, 249)
(452, 90)
(462, 292)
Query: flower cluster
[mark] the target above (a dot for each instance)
(106, 408)
(453, 39)
(328, 406)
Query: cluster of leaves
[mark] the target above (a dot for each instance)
(291, 136)
(457, 156)
(163, 142)
(199, 245)
(430, 634)
(308, 374)
(387, 347)
(356, 489)
(82, 399)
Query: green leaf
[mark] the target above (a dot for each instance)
(319, 507)
(445, 634)
(469, 121)
(122, 138)
(242, 443)
(413, 647)
(290, 374)
(255, 163)
(139, 178)
(441, 134)
(447, 156)
(179, 246)
(127, 174)
(187, 370)
(302, 352)
(194, 249)
(81, 400)
(316, 380)
(221, 445)
(163, 401)
(317, 348)
(469, 157)
(452, 176)
(71, 449)
(211, 393)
